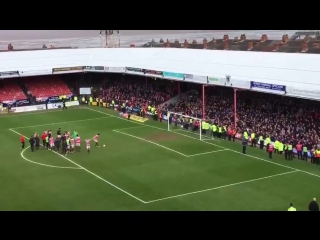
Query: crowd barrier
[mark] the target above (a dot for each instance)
(294, 150)
(38, 107)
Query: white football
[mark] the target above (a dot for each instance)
(104, 145)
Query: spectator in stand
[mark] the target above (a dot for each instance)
(10, 47)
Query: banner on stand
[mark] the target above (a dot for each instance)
(173, 76)
(268, 88)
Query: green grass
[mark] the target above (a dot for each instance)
(143, 167)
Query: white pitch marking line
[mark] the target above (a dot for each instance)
(42, 164)
(261, 159)
(127, 128)
(142, 139)
(224, 186)
(120, 189)
(198, 154)
(83, 120)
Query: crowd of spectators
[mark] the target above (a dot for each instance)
(284, 118)
(137, 90)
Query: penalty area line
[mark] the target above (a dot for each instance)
(198, 154)
(224, 186)
(142, 139)
(88, 171)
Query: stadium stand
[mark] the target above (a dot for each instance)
(287, 119)
(10, 90)
(138, 91)
(46, 86)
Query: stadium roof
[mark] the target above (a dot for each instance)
(275, 68)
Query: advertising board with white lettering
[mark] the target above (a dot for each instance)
(195, 78)
(267, 87)
(29, 108)
(35, 72)
(85, 91)
(9, 74)
(67, 70)
(54, 105)
(93, 69)
(138, 71)
(115, 69)
(72, 103)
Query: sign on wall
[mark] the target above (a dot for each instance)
(85, 91)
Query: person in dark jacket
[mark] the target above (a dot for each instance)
(37, 140)
(313, 205)
(32, 142)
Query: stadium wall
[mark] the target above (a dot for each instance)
(291, 74)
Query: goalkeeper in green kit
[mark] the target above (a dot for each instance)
(74, 134)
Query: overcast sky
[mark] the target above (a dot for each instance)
(45, 34)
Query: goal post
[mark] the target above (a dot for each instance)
(190, 126)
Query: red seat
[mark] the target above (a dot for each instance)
(47, 86)
(11, 91)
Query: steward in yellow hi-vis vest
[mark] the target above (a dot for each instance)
(253, 139)
(291, 208)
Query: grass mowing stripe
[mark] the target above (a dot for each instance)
(224, 186)
(90, 119)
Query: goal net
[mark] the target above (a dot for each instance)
(190, 126)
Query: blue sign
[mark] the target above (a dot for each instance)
(173, 75)
(266, 87)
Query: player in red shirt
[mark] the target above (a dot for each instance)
(43, 137)
(96, 139)
(22, 141)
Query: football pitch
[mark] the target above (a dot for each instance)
(143, 167)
